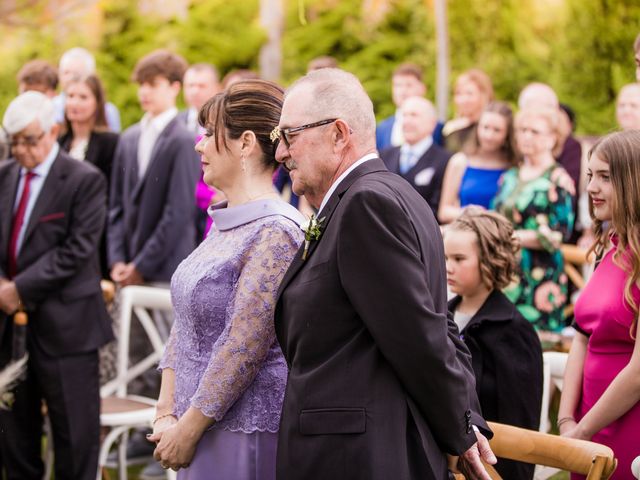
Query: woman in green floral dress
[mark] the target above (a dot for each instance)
(542, 214)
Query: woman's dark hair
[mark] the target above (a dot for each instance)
(503, 109)
(100, 117)
(253, 105)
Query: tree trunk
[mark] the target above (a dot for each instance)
(271, 18)
(442, 59)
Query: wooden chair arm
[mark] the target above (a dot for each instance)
(578, 456)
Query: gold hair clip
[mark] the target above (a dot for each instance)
(275, 134)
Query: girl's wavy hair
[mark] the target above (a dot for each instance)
(620, 151)
(497, 245)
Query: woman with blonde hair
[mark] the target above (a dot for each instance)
(601, 391)
(472, 92)
(540, 209)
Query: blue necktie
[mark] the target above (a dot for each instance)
(406, 161)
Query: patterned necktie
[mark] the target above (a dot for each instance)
(406, 161)
(16, 225)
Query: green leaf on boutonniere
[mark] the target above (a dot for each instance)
(312, 229)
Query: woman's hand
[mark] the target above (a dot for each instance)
(176, 444)
(161, 424)
(573, 430)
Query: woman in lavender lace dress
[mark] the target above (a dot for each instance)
(223, 374)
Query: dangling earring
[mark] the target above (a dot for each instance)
(243, 163)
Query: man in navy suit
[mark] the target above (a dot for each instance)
(406, 82)
(52, 214)
(155, 171)
(420, 160)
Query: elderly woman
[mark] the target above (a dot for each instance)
(223, 373)
(541, 212)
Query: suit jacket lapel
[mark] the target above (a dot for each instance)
(8, 191)
(159, 146)
(369, 166)
(92, 150)
(52, 186)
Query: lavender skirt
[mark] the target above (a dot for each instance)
(225, 455)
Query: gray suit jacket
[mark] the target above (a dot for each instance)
(380, 385)
(152, 219)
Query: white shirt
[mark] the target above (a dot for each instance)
(151, 128)
(335, 184)
(397, 137)
(35, 186)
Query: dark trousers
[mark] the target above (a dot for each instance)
(70, 386)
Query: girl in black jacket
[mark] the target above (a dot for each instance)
(506, 355)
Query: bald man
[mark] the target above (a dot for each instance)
(419, 160)
(379, 385)
(628, 107)
(52, 213)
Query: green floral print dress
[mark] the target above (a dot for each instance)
(541, 205)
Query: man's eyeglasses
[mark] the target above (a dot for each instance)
(27, 141)
(284, 133)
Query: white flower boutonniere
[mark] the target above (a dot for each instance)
(312, 229)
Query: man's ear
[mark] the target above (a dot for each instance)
(341, 134)
(55, 130)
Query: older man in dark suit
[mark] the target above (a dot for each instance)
(52, 213)
(379, 384)
(419, 160)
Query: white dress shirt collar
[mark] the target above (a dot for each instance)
(418, 149)
(335, 184)
(159, 122)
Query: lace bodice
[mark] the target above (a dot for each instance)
(222, 346)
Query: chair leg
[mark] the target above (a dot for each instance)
(122, 455)
(48, 459)
(108, 441)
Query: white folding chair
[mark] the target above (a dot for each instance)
(554, 364)
(635, 467)
(121, 412)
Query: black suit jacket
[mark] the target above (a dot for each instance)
(58, 275)
(426, 175)
(507, 361)
(379, 386)
(100, 151)
(152, 219)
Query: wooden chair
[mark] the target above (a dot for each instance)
(577, 456)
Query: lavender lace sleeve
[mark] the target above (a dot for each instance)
(243, 345)
(168, 359)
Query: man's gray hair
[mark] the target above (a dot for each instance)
(339, 94)
(82, 54)
(26, 108)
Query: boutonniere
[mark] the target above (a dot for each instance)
(312, 229)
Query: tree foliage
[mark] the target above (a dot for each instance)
(583, 48)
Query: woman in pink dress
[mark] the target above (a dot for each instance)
(601, 392)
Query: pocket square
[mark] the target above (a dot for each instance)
(51, 216)
(423, 177)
